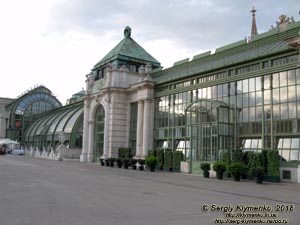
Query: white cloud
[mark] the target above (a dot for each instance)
(57, 42)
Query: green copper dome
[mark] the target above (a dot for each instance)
(128, 50)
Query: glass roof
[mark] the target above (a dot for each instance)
(61, 119)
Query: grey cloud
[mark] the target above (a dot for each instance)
(190, 24)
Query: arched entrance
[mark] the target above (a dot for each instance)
(99, 133)
(210, 130)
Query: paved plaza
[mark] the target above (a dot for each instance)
(44, 192)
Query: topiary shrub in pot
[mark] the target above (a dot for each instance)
(111, 162)
(133, 163)
(119, 163)
(102, 163)
(259, 173)
(107, 163)
(219, 167)
(237, 169)
(205, 166)
(151, 162)
(141, 164)
(125, 163)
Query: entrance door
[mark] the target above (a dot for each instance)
(204, 142)
(99, 134)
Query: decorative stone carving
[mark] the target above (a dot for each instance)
(148, 68)
(127, 32)
(124, 68)
(90, 83)
(142, 70)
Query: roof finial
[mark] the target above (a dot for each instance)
(253, 27)
(127, 32)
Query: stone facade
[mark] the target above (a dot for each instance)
(115, 93)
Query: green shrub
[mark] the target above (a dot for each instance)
(254, 160)
(124, 153)
(152, 152)
(226, 157)
(177, 158)
(160, 157)
(237, 168)
(168, 158)
(219, 166)
(205, 166)
(151, 161)
(237, 156)
(259, 171)
(273, 163)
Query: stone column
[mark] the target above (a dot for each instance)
(139, 130)
(90, 141)
(147, 127)
(85, 141)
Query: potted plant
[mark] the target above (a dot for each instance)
(102, 162)
(125, 163)
(141, 164)
(205, 167)
(219, 167)
(111, 162)
(259, 173)
(133, 163)
(119, 163)
(151, 161)
(107, 162)
(237, 169)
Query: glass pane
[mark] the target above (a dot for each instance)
(245, 100)
(275, 80)
(258, 98)
(258, 83)
(276, 95)
(291, 77)
(295, 143)
(284, 110)
(251, 84)
(292, 93)
(292, 109)
(285, 154)
(294, 155)
(252, 114)
(252, 99)
(245, 86)
(267, 97)
(276, 112)
(240, 87)
(267, 82)
(298, 76)
(286, 143)
(283, 94)
(283, 79)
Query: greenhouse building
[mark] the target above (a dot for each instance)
(244, 96)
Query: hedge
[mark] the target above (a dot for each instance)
(273, 163)
(168, 159)
(177, 158)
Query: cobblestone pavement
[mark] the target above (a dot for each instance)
(45, 192)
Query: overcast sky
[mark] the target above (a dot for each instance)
(57, 42)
